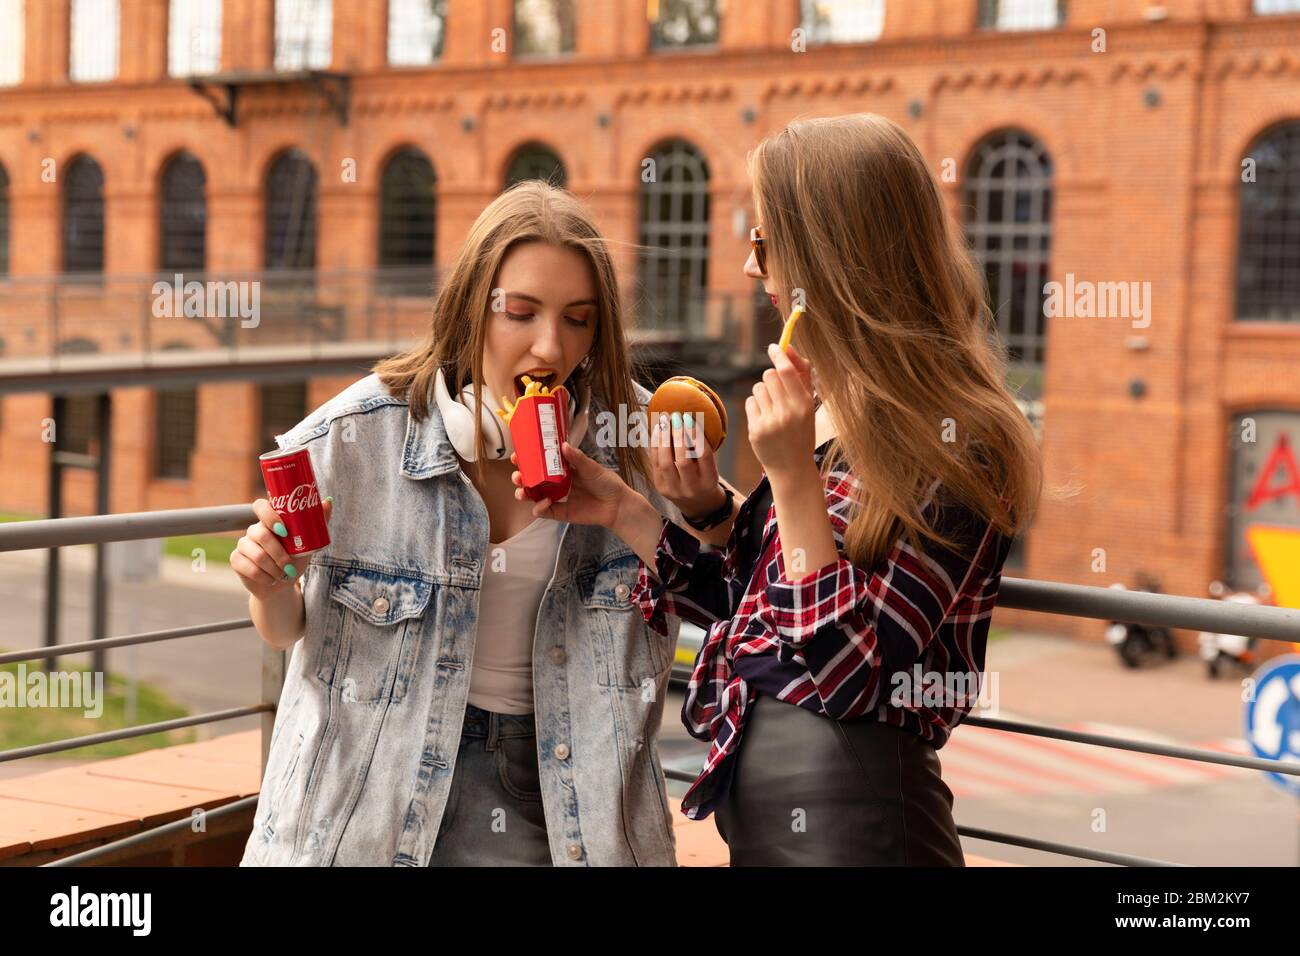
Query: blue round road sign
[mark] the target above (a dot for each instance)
(1273, 716)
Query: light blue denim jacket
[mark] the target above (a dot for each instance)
(369, 720)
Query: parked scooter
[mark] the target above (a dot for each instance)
(1136, 643)
(1228, 650)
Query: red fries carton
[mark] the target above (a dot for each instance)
(539, 426)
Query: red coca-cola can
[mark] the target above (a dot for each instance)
(291, 488)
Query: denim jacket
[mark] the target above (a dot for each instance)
(369, 721)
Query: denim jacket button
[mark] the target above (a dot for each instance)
(622, 591)
(574, 851)
(380, 605)
(562, 751)
(557, 655)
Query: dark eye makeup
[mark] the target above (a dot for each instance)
(523, 317)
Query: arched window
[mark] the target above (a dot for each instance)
(83, 216)
(4, 222)
(535, 161)
(544, 27)
(290, 234)
(183, 216)
(683, 23)
(1268, 244)
(1008, 198)
(674, 237)
(407, 223)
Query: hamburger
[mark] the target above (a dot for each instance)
(681, 393)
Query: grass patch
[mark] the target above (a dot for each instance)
(26, 726)
(216, 547)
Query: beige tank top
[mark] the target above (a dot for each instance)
(514, 580)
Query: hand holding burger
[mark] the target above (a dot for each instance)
(688, 424)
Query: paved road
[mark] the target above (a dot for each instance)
(1140, 804)
(211, 672)
(1152, 806)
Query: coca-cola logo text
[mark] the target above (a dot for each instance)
(300, 499)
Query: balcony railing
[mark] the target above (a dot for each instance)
(1282, 624)
(74, 321)
(68, 319)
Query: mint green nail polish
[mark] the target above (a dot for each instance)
(677, 420)
(329, 498)
(690, 421)
(290, 570)
(280, 529)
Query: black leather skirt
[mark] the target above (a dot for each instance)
(809, 791)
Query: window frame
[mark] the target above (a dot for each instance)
(390, 33)
(803, 12)
(650, 250)
(1251, 223)
(280, 43)
(988, 13)
(16, 53)
(214, 23)
(978, 187)
(168, 264)
(75, 17)
(656, 47)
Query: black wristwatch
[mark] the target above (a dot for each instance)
(715, 517)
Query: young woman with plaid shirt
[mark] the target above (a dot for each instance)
(853, 589)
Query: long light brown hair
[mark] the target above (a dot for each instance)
(531, 211)
(897, 327)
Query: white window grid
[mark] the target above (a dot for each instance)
(93, 41)
(416, 31)
(1267, 7)
(1020, 14)
(843, 21)
(304, 34)
(194, 37)
(12, 40)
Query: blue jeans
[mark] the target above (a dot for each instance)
(494, 813)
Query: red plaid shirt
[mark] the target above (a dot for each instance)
(902, 642)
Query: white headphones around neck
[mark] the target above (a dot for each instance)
(458, 420)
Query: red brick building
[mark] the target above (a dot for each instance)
(1145, 152)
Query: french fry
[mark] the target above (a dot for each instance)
(507, 409)
(531, 388)
(788, 331)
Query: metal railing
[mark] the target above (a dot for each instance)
(77, 320)
(1054, 598)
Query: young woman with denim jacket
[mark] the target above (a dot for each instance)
(469, 684)
(848, 610)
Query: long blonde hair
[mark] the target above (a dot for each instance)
(898, 329)
(531, 211)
